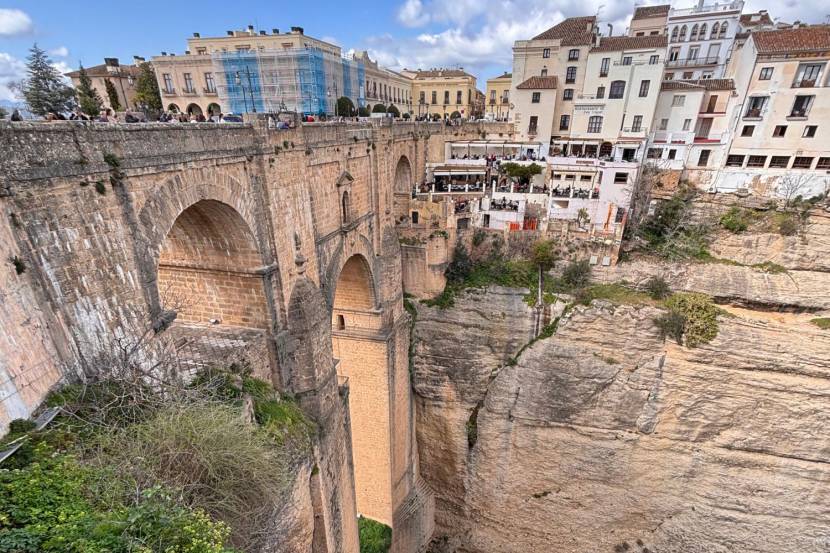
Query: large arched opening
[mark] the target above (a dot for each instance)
(361, 351)
(210, 272)
(402, 188)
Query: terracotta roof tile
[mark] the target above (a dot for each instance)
(101, 71)
(538, 83)
(441, 73)
(787, 41)
(647, 12)
(755, 19)
(612, 43)
(574, 31)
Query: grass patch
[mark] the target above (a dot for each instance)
(770, 267)
(375, 537)
(821, 322)
(737, 219)
(617, 293)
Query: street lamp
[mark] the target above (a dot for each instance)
(250, 89)
(238, 82)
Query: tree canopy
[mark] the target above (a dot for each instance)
(379, 108)
(44, 88)
(112, 95)
(88, 98)
(521, 171)
(345, 106)
(363, 111)
(147, 88)
(393, 110)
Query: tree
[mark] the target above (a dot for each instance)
(455, 115)
(406, 116)
(379, 108)
(393, 110)
(544, 256)
(147, 88)
(112, 94)
(522, 172)
(793, 186)
(88, 98)
(3, 113)
(363, 111)
(43, 88)
(344, 106)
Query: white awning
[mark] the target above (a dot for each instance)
(459, 172)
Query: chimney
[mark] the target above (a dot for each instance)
(610, 30)
(230, 33)
(275, 31)
(164, 53)
(298, 30)
(251, 29)
(262, 33)
(196, 35)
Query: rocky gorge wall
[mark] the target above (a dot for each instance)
(605, 437)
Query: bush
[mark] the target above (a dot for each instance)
(363, 112)
(735, 220)
(700, 317)
(822, 322)
(788, 225)
(658, 288)
(379, 108)
(577, 274)
(671, 324)
(461, 265)
(375, 537)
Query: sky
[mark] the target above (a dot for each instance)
(474, 34)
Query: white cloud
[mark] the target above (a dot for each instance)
(14, 22)
(411, 14)
(11, 69)
(60, 52)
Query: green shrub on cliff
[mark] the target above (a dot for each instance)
(822, 322)
(375, 537)
(736, 220)
(692, 319)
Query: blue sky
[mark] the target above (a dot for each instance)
(474, 34)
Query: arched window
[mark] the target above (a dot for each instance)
(693, 34)
(674, 34)
(682, 33)
(723, 27)
(715, 28)
(617, 89)
(345, 208)
(703, 32)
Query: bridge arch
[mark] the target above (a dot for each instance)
(403, 176)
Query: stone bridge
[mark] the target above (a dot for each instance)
(273, 247)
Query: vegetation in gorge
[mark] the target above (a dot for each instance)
(199, 468)
(671, 232)
(375, 537)
(691, 319)
(821, 322)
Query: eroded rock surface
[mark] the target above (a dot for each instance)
(604, 434)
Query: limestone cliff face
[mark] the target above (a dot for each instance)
(604, 434)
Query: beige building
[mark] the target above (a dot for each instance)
(535, 101)
(780, 134)
(560, 52)
(121, 76)
(649, 20)
(497, 97)
(442, 92)
(384, 86)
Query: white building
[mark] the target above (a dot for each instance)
(701, 39)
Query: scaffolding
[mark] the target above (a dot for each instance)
(304, 80)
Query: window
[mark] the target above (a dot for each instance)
(755, 106)
(626, 60)
(668, 77)
(534, 121)
(693, 52)
(617, 89)
(707, 75)
(637, 125)
(682, 33)
(779, 130)
(446, 97)
(802, 162)
(505, 97)
(568, 94)
(536, 97)
(687, 124)
(654, 60)
(703, 158)
(766, 74)
(674, 34)
(210, 83)
(722, 32)
(620, 178)
(600, 92)
(544, 72)
(808, 75)
(664, 124)
(603, 67)
(747, 130)
(688, 74)
(756, 161)
(715, 28)
(734, 160)
(693, 34)
(672, 154)
(492, 96)
(341, 322)
(595, 124)
(585, 178)
(780, 162)
(823, 163)
(422, 97)
(564, 122)
(644, 86)
(570, 75)
(654, 153)
(168, 83)
(809, 131)
(546, 53)
(640, 34)
(434, 97)
(703, 32)
(801, 106)
(573, 55)
(678, 100)
(458, 97)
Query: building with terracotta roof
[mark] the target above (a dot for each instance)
(535, 99)
(702, 39)
(497, 97)
(649, 20)
(559, 52)
(780, 129)
(121, 76)
(440, 93)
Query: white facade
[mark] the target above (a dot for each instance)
(701, 39)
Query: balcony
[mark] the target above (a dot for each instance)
(805, 83)
(189, 92)
(671, 137)
(692, 62)
(712, 138)
(209, 91)
(714, 8)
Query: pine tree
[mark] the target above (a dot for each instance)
(147, 88)
(3, 113)
(43, 88)
(112, 94)
(88, 98)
